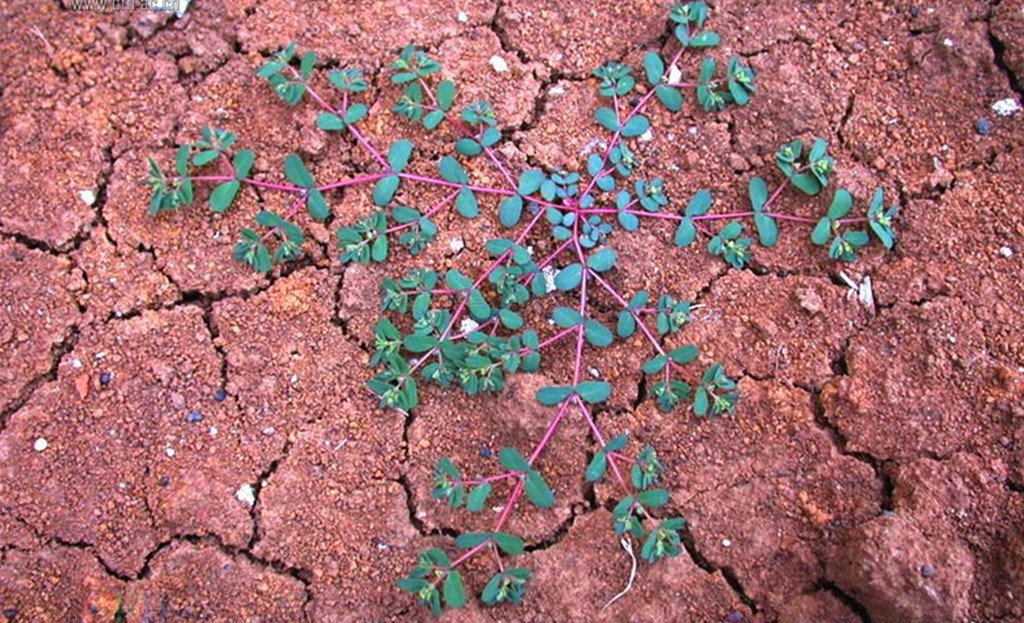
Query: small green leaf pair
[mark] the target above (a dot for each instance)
(537, 489)
(433, 566)
(592, 392)
(594, 332)
(289, 88)
(709, 398)
(686, 232)
(844, 244)
(728, 244)
(809, 177)
(599, 464)
(634, 126)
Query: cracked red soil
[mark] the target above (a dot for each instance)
(873, 472)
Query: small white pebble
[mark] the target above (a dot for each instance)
(76, 364)
(170, 452)
(456, 245)
(726, 543)
(462, 17)
(213, 431)
(594, 372)
(947, 42)
(646, 137)
(41, 444)
(87, 196)
(1006, 107)
(549, 272)
(468, 324)
(295, 379)
(498, 64)
(674, 74)
(556, 90)
(268, 431)
(1006, 252)
(246, 495)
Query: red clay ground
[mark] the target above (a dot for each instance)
(873, 471)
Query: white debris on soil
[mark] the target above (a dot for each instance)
(646, 137)
(556, 90)
(170, 452)
(549, 272)
(947, 42)
(88, 197)
(1006, 107)
(462, 17)
(457, 244)
(861, 291)
(1006, 252)
(246, 495)
(498, 64)
(468, 324)
(674, 74)
(594, 372)
(41, 444)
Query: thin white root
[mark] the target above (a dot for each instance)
(628, 546)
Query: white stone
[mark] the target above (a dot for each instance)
(498, 64)
(556, 90)
(1006, 252)
(462, 17)
(674, 74)
(88, 197)
(41, 444)
(1006, 107)
(549, 272)
(457, 245)
(468, 325)
(947, 42)
(646, 137)
(170, 452)
(726, 543)
(246, 495)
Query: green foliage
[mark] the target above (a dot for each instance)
(716, 393)
(730, 245)
(433, 568)
(508, 586)
(419, 102)
(473, 331)
(288, 84)
(810, 175)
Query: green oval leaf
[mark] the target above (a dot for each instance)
(297, 172)
(478, 497)
(538, 491)
(594, 391)
(223, 195)
(636, 126)
(398, 155)
(602, 260)
(569, 277)
(549, 396)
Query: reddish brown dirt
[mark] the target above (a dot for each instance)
(873, 471)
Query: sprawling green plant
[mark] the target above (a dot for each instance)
(468, 331)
